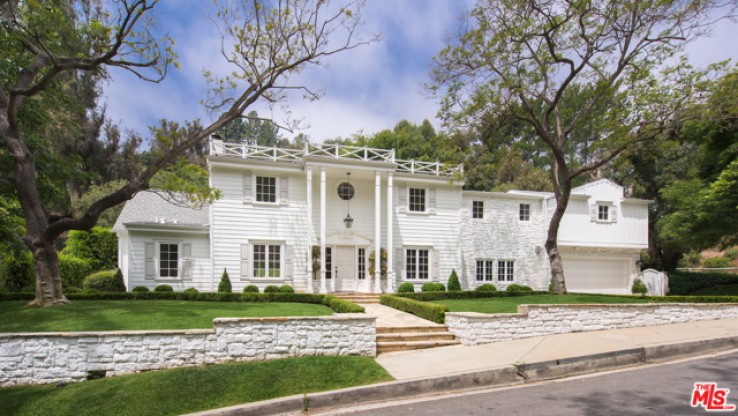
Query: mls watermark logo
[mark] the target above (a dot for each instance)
(712, 398)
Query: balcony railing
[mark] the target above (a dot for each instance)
(365, 154)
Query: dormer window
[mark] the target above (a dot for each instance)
(603, 212)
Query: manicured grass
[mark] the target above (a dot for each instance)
(510, 304)
(718, 290)
(114, 315)
(185, 390)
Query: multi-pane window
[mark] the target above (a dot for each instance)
(477, 209)
(362, 263)
(603, 213)
(417, 264)
(328, 263)
(524, 212)
(168, 260)
(267, 260)
(417, 200)
(485, 270)
(266, 189)
(505, 270)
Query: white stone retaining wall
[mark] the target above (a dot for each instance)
(39, 358)
(473, 328)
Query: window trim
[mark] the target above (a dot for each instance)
(610, 211)
(417, 263)
(426, 194)
(509, 265)
(521, 218)
(267, 244)
(256, 190)
(480, 215)
(488, 269)
(157, 259)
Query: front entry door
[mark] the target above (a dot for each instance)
(344, 268)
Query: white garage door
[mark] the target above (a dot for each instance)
(588, 275)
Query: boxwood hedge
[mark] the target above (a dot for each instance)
(684, 283)
(430, 311)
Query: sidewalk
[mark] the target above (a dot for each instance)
(447, 369)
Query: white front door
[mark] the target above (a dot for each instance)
(344, 268)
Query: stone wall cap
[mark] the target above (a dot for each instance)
(79, 334)
(339, 317)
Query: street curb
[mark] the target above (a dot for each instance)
(519, 373)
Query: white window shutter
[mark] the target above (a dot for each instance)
(400, 262)
(434, 265)
(283, 190)
(402, 194)
(247, 185)
(432, 201)
(186, 261)
(613, 213)
(288, 262)
(593, 212)
(245, 260)
(149, 261)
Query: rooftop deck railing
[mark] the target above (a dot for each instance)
(334, 151)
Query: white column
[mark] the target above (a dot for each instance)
(310, 241)
(390, 242)
(377, 233)
(322, 230)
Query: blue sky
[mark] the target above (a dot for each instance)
(366, 90)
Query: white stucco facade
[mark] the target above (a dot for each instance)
(282, 219)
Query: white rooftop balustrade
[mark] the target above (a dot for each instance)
(334, 151)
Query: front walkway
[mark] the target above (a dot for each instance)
(392, 318)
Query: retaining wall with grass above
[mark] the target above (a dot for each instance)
(472, 328)
(40, 358)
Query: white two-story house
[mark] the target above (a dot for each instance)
(318, 218)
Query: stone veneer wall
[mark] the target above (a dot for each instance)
(537, 320)
(38, 358)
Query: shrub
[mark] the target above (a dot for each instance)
(731, 254)
(73, 270)
(432, 287)
(163, 288)
(286, 289)
(453, 282)
(271, 289)
(191, 291)
(690, 259)
(17, 272)
(716, 263)
(105, 281)
(225, 283)
(140, 289)
(683, 283)
(406, 287)
(486, 288)
(341, 306)
(251, 289)
(518, 288)
(98, 246)
(639, 287)
(430, 311)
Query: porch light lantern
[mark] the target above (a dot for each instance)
(346, 191)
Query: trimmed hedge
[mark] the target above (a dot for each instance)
(406, 287)
(430, 311)
(684, 283)
(486, 288)
(105, 281)
(191, 290)
(433, 287)
(518, 288)
(341, 306)
(163, 288)
(251, 289)
(465, 294)
(286, 289)
(271, 289)
(135, 289)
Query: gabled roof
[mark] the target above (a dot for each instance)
(150, 208)
(583, 188)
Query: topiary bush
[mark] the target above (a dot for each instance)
(518, 288)
(191, 291)
(225, 283)
(286, 289)
(453, 282)
(251, 289)
(406, 287)
(271, 289)
(163, 288)
(716, 263)
(105, 281)
(486, 288)
(432, 287)
(140, 289)
(639, 288)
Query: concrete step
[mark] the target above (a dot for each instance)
(411, 345)
(424, 336)
(410, 329)
(359, 297)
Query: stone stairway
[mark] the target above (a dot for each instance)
(356, 297)
(391, 339)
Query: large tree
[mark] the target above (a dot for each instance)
(264, 41)
(523, 60)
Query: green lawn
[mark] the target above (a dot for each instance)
(719, 290)
(185, 390)
(113, 315)
(510, 304)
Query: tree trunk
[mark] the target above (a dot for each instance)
(48, 282)
(552, 246)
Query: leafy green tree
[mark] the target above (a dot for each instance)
(44, 41)
(531, 62)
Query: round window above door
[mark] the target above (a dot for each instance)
(345, 191)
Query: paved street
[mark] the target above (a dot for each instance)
(655, 390)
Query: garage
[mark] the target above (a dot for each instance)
(596, 275)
